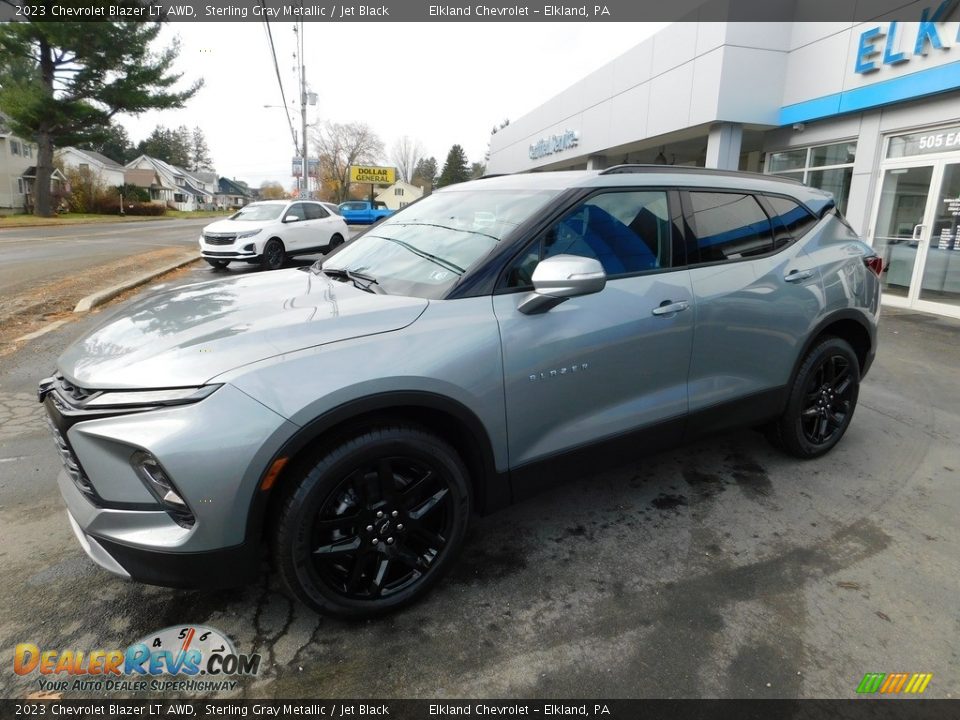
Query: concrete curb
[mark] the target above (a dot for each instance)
(101, 296)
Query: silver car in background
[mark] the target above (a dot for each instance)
(481, 344)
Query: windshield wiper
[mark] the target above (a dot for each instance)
(360, 280)
(445, 264)
(447, 227)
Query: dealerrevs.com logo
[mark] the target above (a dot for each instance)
(189, 658)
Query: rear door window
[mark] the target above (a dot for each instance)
(315, 211)
(728, 226)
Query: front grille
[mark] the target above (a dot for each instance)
(70, 462)
(215, 239)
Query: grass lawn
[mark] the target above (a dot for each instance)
(21, 220)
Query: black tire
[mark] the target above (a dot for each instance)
(822, 401)
(274, 254)
(217, 264)
(335, 242)
(337, 555)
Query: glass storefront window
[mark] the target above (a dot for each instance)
(941, 269)
(836, 181)
(839, 154)
(827, 167)
(924, 143)
(787, 160)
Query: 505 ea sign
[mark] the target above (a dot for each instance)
(188, 651)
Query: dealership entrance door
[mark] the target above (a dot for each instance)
(916, 217)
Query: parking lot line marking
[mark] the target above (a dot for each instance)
(13, 459)
(42, 331)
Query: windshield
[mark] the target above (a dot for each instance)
(258, 212)
(427, 247)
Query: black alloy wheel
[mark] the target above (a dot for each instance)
(374, 523)
(822, 401)
(827, 399)
(274, 254)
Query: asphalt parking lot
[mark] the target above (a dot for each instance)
(722, 569)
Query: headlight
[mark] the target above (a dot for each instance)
(247, 234)
(134, 398)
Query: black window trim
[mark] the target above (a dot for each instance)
(674, 211)
(693, 250)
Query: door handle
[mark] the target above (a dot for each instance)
(798, 275)
(668, 307)
(917, 232)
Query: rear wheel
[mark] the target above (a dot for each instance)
(217, 264)
(274, 254)
(374, 523)
(822, 401)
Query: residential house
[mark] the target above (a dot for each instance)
(16, 157)
(177, 187)
(399, 195)
(109, 172)
(232, 194)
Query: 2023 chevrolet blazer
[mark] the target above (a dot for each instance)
(482, 343)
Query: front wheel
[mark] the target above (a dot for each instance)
(822, 400)
(373, 523)
(335, 242)
(274, 254)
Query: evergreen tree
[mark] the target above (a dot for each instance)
(425, 173)
(455, 169)
(62, 82)
(115, 144)
(199, 151)
(171, 146)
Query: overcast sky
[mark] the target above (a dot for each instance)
(441, 83)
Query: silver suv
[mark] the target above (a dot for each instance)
(483, 343)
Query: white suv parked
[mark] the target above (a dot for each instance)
(268, 232)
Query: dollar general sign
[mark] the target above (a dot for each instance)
(371, 174)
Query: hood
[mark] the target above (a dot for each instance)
(236, 226)
(188, 335)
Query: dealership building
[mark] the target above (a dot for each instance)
(869, 111)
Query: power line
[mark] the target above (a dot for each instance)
(276, 67)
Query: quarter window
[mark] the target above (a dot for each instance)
(790, 220)
(628, 232)
(729, 226)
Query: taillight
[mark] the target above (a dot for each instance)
(875, 263)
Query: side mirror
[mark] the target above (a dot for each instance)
(562, 277)
(291, 218)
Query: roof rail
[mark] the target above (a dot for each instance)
(639, 168)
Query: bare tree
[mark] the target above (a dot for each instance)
(406, 154)
(340, 145)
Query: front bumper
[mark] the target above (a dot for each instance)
(215, 569)
(216, 463)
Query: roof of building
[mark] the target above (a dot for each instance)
(233, 187)
(100, 158)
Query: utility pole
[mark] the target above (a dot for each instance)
(303, 114)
